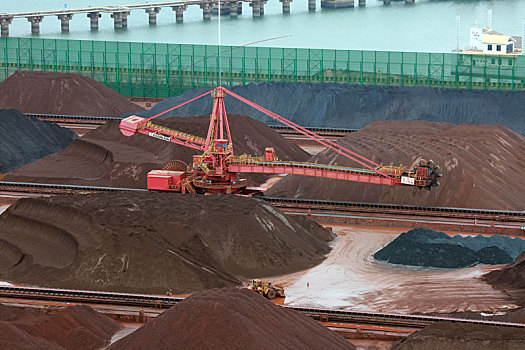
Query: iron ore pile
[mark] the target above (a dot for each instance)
(71, 328)
(510, 279)
(26, 139)
(448, 335)
(62, 94)
(153, 242)
(105, 157)
(231, 318)
(479, 169)
(422, 247)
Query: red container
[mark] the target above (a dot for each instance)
(164, 180)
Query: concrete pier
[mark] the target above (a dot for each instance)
(311, 5)
(179, 12)
(4, 25)
(94, 16)
(152, 14)
(234, 8)
(206, 11)
(256, 8)
(35, 23)
(64, 21)
(117, 20)
(337, 4)
(362, 2)
(286, 5)
(124, 17)
(225, 9)
(261, 7)
(386, 2)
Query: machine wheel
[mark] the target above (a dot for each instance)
(271, 294)
(175, 165)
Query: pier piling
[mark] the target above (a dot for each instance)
(117, 20)
(206, 11)
(35, 23)
(286, 5)
(337, 4)
(4, 25)
(256, 8)
(234, 6)
(311, 5)
(179, 12)
(152, 12)
(64, 21)
(94, 16)
(362, 2)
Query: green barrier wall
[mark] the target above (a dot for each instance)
(162, 70)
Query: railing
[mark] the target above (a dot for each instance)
(258, 162)
(162, 70)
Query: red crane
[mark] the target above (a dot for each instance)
(216, 169)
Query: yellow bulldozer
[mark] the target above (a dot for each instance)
(267, 290)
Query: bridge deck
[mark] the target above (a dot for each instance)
(108, 9)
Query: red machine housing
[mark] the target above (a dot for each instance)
(165, 180)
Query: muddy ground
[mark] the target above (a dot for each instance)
(105, 157)
(152, 242)
(350, 278)
(482, 166)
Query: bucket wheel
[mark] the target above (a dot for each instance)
(175, 165)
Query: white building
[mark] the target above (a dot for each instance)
(489, 41)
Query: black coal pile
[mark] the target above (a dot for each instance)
(26, 139)
(422, 247)
(354, 106)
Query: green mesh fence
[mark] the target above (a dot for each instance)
(162, 70)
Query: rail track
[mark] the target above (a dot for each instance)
(305, 204)
(92, 122)
(164, 302)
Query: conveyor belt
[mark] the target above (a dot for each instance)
(159, 301)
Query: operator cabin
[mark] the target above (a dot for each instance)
(491, 42)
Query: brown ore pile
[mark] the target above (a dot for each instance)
(510, 279)
(62, 93)
(228, 319)
(72, 328)
(105, 157)
(152, 242)
(483, 166)
(457, 336)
